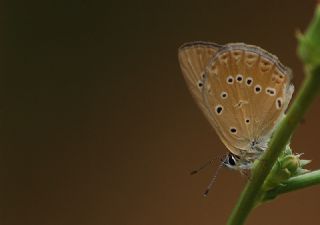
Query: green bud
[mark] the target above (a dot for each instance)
(290, 162)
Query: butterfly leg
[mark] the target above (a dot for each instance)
(246, 173)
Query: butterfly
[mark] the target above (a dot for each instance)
(243, 92)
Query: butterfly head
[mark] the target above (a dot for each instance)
(235, 162)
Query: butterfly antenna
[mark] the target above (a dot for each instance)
(213, 179)
(201, 167)
(205, 165)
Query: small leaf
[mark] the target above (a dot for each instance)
(304, 162)
(301, 171)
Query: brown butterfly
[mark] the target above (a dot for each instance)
(242, 90)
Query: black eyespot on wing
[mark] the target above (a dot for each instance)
(279, 103)
(257, 89)
(239, 78)
(271, 91)
(233, 130)
(224, 95)
(230, 79)
(249, 81)
(219, 109)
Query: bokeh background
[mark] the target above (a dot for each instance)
(98, 127)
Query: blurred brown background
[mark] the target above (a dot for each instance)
(97, 124)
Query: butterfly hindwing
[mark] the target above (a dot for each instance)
(246, 90)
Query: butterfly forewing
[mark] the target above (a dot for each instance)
(193, 59)
(246, 90)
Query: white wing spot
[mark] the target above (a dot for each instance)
(219, 109)
(249, 81)
(279, 102)
(230, 79)
(224, 95)
(270, 91)
(257, 89)
(239, 78)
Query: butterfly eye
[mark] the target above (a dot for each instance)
(231, 160)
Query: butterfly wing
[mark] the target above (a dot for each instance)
(246, 90)
(193, 59)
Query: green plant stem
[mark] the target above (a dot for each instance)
(309, 52)
(280, 139)
(295, 183)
